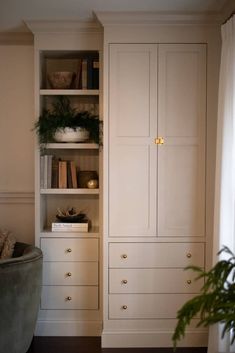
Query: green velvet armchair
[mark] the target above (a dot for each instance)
(20, 290)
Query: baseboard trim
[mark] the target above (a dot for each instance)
(68, 328)
(150, 339)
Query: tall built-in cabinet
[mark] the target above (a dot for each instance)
(156, 106)
(153, 212)
(71, 300)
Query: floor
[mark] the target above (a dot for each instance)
(92, 345)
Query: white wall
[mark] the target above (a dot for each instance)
(17, 140)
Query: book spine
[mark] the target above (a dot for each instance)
(55, 173)
(73, 175)
(89, 73)
(77, 83)
(45, 171)
(41, 172)
(49, 171)
(69, 175)
(62, 174)
(95, 74)
(84, 73)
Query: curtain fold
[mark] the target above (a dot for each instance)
(224, 213)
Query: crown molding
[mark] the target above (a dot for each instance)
(227, 9)
(157, 18)
(16, 38)
(61, 26)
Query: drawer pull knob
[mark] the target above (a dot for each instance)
(124, 281)
(69, 274)
(69, 250)
(68, 298)
(189, 281)
(189, 255)
(124, 256)
(124, 307)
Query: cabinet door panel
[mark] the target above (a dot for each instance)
(132, 156)
(181, 121)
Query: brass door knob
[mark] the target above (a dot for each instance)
(124, 281)
(124, 256)
(69, 274)
(69, 250)
(189, 255)
(189, 281)
(159, 141)
(124, 307)
(68, 298)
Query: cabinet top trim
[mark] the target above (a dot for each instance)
(60, 26)
(157, 18)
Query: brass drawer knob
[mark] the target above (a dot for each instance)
(124, 256)
(189, 281)
(189, 255)
(124, 307)
(124, 281)
(69, 274)
(69, 250)
(68, 298)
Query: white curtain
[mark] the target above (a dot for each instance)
(224, 221)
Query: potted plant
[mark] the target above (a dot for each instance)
(216, 303)
(62, 119)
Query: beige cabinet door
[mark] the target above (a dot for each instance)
(157, 190)
(132, 153)
(181, 122)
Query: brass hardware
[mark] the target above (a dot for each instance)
(189, 281)
(68, 298)
(124, 256)
(124, 307)
(189, 255)
(69, 274)
(124, 281)
(159, 141)
(69, 250)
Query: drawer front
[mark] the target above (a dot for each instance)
(69, 249)
(153, 281)
(70, 273)
(69, 297)
(146, 306)
(163, 255)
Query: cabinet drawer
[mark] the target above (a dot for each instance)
(69, 249)
(164, 255)
(70, 273)
(153, 281)
(69, 297)
(146, 306)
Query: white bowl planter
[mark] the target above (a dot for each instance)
(70, 135)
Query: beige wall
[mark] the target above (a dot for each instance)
(17, 140)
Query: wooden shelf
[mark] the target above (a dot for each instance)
(80, 191)
(69, 92)
(76, 146)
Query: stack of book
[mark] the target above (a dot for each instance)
(55, 173)
(87, 76)
(69, 227)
